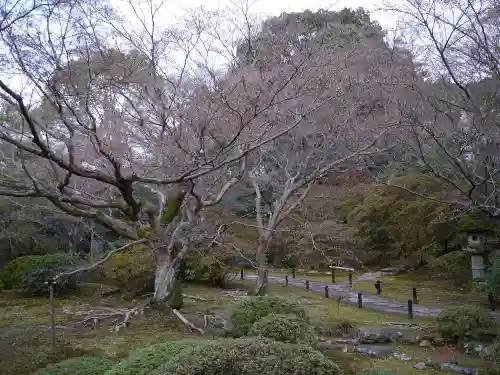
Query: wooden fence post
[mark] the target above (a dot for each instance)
(410, 309)
(51, 284)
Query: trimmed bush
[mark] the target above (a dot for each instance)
(145, 360)
(34, 282)
(210, 269)
(249, 356)
(254, 308)
(285, 328)
(132, 271)
(77, 366)
(29, 273)
(12, 274)
(463, 321)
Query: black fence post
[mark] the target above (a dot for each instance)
(378, 287)
(326, 291)
(293, 273)
(492, 301)
(360, 300)
(307, 285)
(241, 274)
(410, 309)
(350, 279)
(286, 280)
(415, 298)
(333, 275)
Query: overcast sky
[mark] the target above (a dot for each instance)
(275, 7)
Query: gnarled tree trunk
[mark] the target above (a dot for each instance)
(262, 270)
(166, 273)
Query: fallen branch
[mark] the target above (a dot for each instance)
(187, 322)
(195, 298)
(93, 317)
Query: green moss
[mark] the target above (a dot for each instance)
(172, 209)
(77, 366)
(145, 232)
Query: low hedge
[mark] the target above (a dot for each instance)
(145, 360)
(285, 328)
(464, 321)
(252, 309)
(77, 366)
(29, 273)
(249, 356)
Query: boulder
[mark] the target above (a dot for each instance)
(476, 349)
(106, 290)
(438, 341)
(331, 347)
(451, 367)
(425, 343)
(341, 340)
(381, 335)
(396, 270)
(375, 351)
(402, 356)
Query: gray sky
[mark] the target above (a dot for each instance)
(275, 7)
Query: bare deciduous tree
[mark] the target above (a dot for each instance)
(133, 125)
(452, 130)
(354, 67)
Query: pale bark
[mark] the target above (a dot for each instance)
(165, 277)
(262, 270)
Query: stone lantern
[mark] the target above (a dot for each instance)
(480, 245)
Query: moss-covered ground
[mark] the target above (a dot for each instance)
(25, 344)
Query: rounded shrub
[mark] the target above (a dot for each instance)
(463, 321)
(77, 366)
(145, 360)
(252, 309)
(132, 271)
(29, 273)
(285, 328)
(13, 273)
(249, 356)
(34, 282)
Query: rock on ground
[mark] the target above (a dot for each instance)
(375, 351)
(458, 369)
(383, 335)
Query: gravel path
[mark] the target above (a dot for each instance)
(372, 302)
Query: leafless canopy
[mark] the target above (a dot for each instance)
(454, 124)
